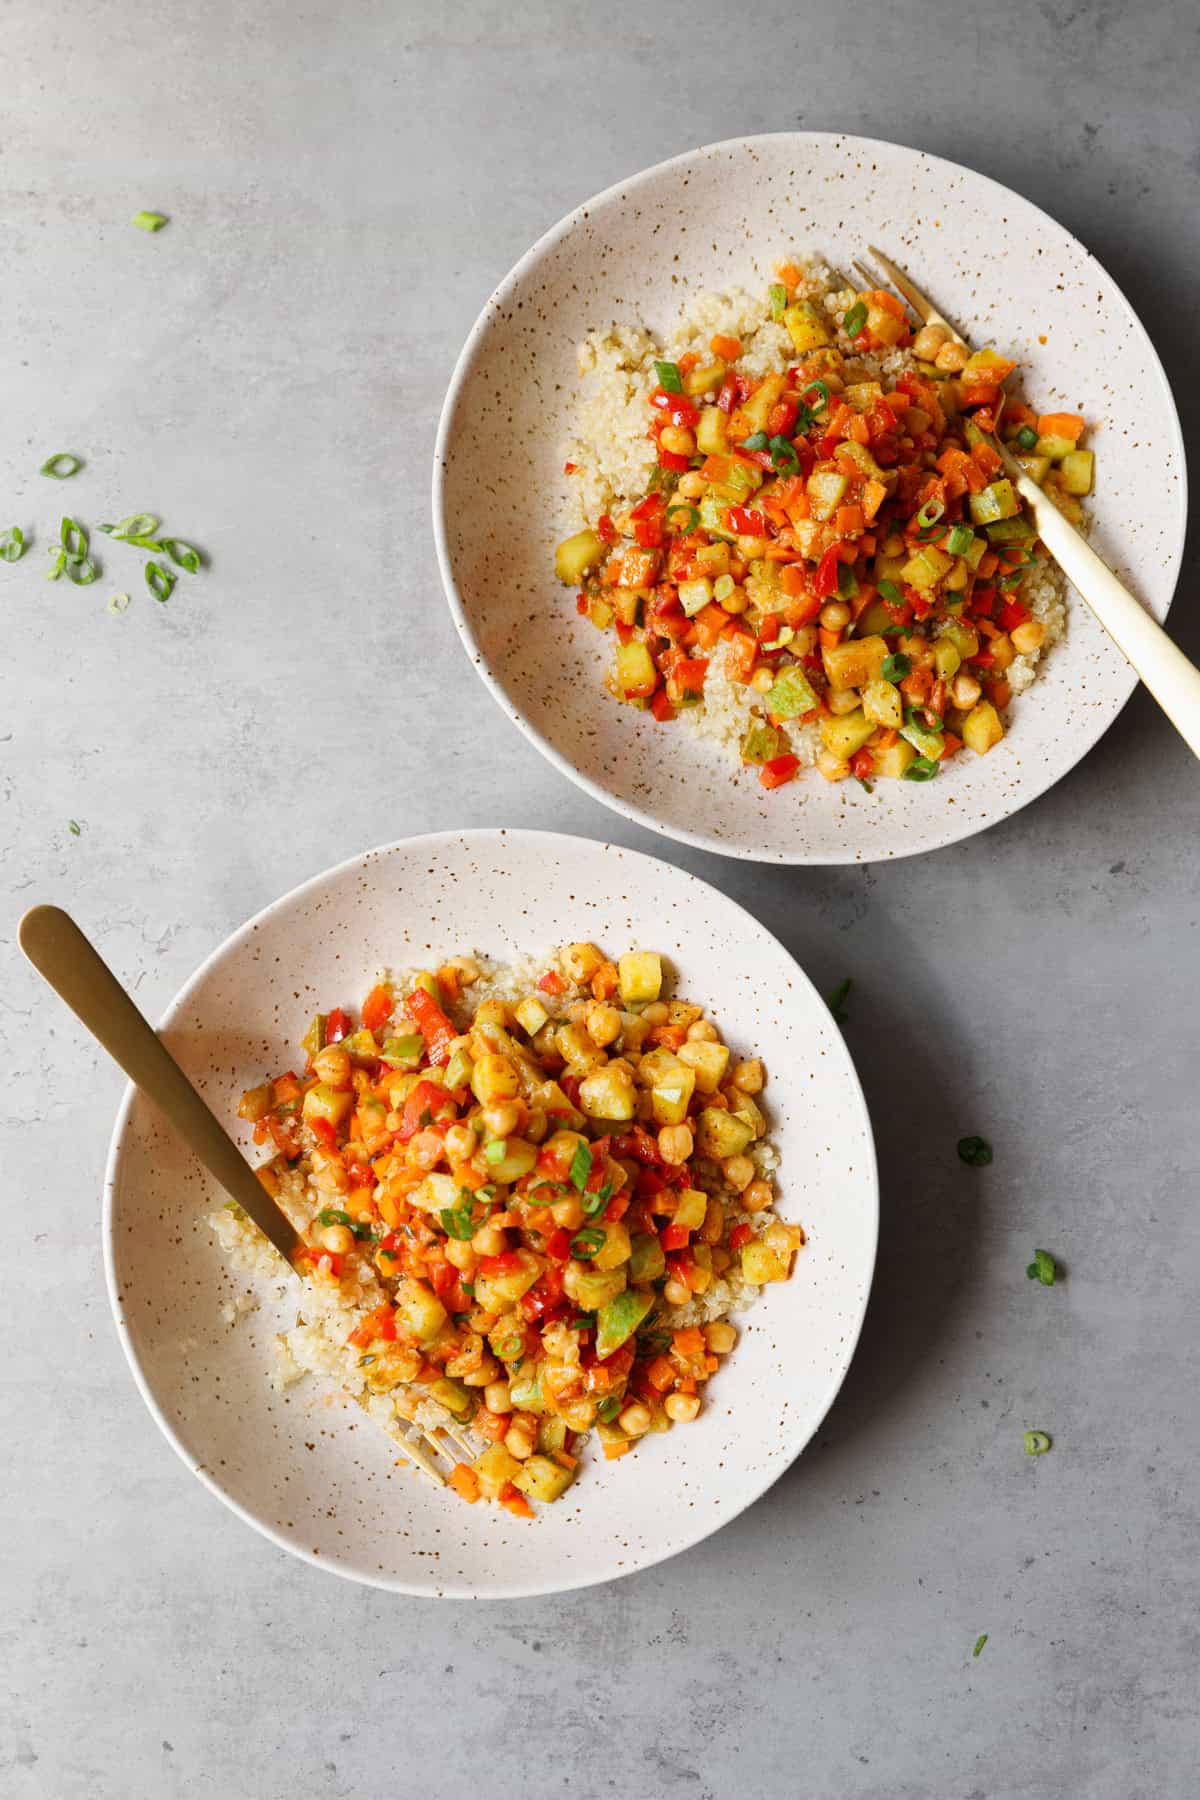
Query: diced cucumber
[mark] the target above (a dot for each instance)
(997, 501)
(1054, 447)
(791, 694)
(576, 555)
(1077, 472)
(845, 733)
(619, 1319)
(763, 742)
(1017, 530)
(647, 1259)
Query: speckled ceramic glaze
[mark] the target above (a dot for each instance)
(1006, 272)
(305, 1467)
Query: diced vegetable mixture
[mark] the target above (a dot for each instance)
(536, 1196)
(839, 532)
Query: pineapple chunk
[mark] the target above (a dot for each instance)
(855, 662)
(708, 1061)
(616, 1248)
(826, 490)
(806, 327)
(588, 1287)
(926, 567)
(328, 1103)
(982, 728)
(671, 1094)
(843, 735)
(893, 761)
(707, 375)
(543, 1479)
(1077, 470)
(946, 659)
(761, 1264)
(690, 1209)
(695, 595)
(530, 1014)
(496, 1292)
(636, 677)
(711, 432)
(608, 1094)
(964, 638)
(882, 704)
(419, 1310)
(495, 1468)
(764, 397)
(1056, 448)
(721, 1135)
(509, 1159)
(640, 974)
(576, 555)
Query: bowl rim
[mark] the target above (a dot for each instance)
(700, 840)
(486, 835)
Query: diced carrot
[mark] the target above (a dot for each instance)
(612, 1451)
(710, 622)
(857, 429)
(604, 981)
(888, 303)
(874, 495)
(989, 562)
(848, 519)
(565, 1460)
(986, 458)
(711, 1364)
(887, 737)
(897, 402)
(465, 1482)
(490, 1425)
(661, 1374)
(728, 348)
(951, 744)
(1067, 425)
(689, 1341)
(514, 1501)
(687, 362)
(829, 637)
(793, 579)
(789, 274)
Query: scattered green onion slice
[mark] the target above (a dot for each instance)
(456, 1220)
(837, 999)
(61, 466)
(609, 1408)
(777, 294)
(585, 1243)
(976, 1151)
(920, 769)
(691, 517)
(186, 557)
(496, 1151)
(896, 666)
(581, 1167)
(149, 221)
(58, 563)
(960, 540)
(160, 581)
(583, 1323)
(136, 525)
(847, 581)
(333, 1215)
(930, 513)
(783, 455)
(1037, 1443)
(83, 571)
(73, 826)
(758, 440)
(12, 544)
(669, 378)
(1027, 437)
(821, 389)
(1014, 578)
(1043, 1268)
(855, 319)
(980, 1641)
(118, 604)
(594, 1204)
(74, 539)
(888, 590)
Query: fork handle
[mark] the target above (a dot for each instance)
(61, 954)
(1161, 664)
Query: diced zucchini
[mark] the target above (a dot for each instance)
(790, 695)
(647, 1260)
(530, 1014)
(1077, 471)
(711, 431)
(496, 1467)
(807, 327)
(963, 637)
(763, 742)
(997, 501)
(419, 1310)
(576, 555)
(925, 742)
(892, 761)
(982, 728)
(761, 1264)
(1054, 447)
(712, 518)
(855, 662)
(975, 552)
(551, 1434)
(327, 1103)
(882, 704)
(459, 1070)
(1036, 467)
(525, 1388)
(314, 1038)
(844, 734)
(671, 1094)
(617, 1321)
(690, 1209)
(927, 566)
(637, 677)
(708, 1061)
(826, 491)
(403, 1052)
(361, 1047)
(1016, 530)
(695, 595)
(543, 1479)
(720, 1135)
(640, 975)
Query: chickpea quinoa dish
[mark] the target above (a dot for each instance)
(529, 1199)
(801, 537)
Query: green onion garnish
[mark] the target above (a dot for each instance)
(581, 1166)
(583, 1323)
(783, 455)
(896, 666)
(61, 466)
(855, 319)
(669, 378)
(149, 221)
(333, 1215)
(930, 513)
(496, 1151)
(58, 562)
(821, 389)
(456, 1220)
(889, 591)
(777, 294)
(118, 604)
(585, 1243)
(960, 540)
(12, 544)
(920, 769)
(136, 525)
(160, 581)
(73, 827)
(976, 1151)
(596, 1203)
(1037, 1443)
(1013, 579)
(691, 516)
(758, 440)
(82, 571)
(847, 581)
(837, 999)
(74, 540)
(1027, 437)
(608, 1408)
(186, 557)
(980, 1641)
(1043, 1268)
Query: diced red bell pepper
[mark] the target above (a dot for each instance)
(432, 1023)
(746, 522)
(825, 582)
(337, 1026)
(741, 1234)
(687, 676)
(670, 459)
(773, 774)
(862, 764)
(558, 1245)
(606, 531)
(324, 1133)
(637, 1145)
(378, 1008)
(661, 707)
(552, 982)
(1011, 613)
(419, 1109)
(674, 1237)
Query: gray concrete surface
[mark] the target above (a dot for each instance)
(345, 185)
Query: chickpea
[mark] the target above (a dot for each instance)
(738, 1172)
(678, 440)
(682, 1408)
(762, 680)
(758, 1196)
(929, 341)
(635, 1420)
(581, 961)
(703, 1031)
(497, 1398)
(720, 1337)
(835, 615)
(603, 1024)
(338, 1238)
(691, 486)
(1028, 637)
(842, 700)
(520, 1438)
(489, 1240)
(677, 1293)
(568, 1213)
(805, 641)
(713, 1228)
(721, 1259)
(964, 691)
(461, 1255)
(501, 1120)
(536, 1125)
(736, 601)
(579, 1050)
(676, 1143)
(329, 1172)
(832, 767)
(461, 1143)
(749, 1076)
(952, 358)
(657, 1013)
(425, 1150)
(332, 1066)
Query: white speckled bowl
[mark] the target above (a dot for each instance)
(723, 215)
(314, 1475)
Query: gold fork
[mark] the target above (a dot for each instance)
(62, 955)
(1162, 666)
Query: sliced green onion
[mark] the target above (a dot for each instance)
(930, 513)
(980, 1641)
(1027, 437)
(691, 516)
(160, 581)
(594, 1204)
(1043, 1268)
(136, 525)
(783, 455)
(457, 1220)
(821, 389)
(888, 590)
(58, 563)
(581, 1166)
(976, 1151)
(855, 319)
(758, 440)
(1037, 1443)
(669, 378)
(186, 557)
(920, 769)
(1014, 578)
(73, 827)
(12, 544)
(585, 1243)
(74, 539)
(609, 1408)
(118, 604)
(61, 466)
(496, 1151)
(837, 1000)
(896, 666)
(333, 1215)
(960, 540)
(777, 295)
(847, 581)
(583, 1323)
(83, 571)
(149, 221)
